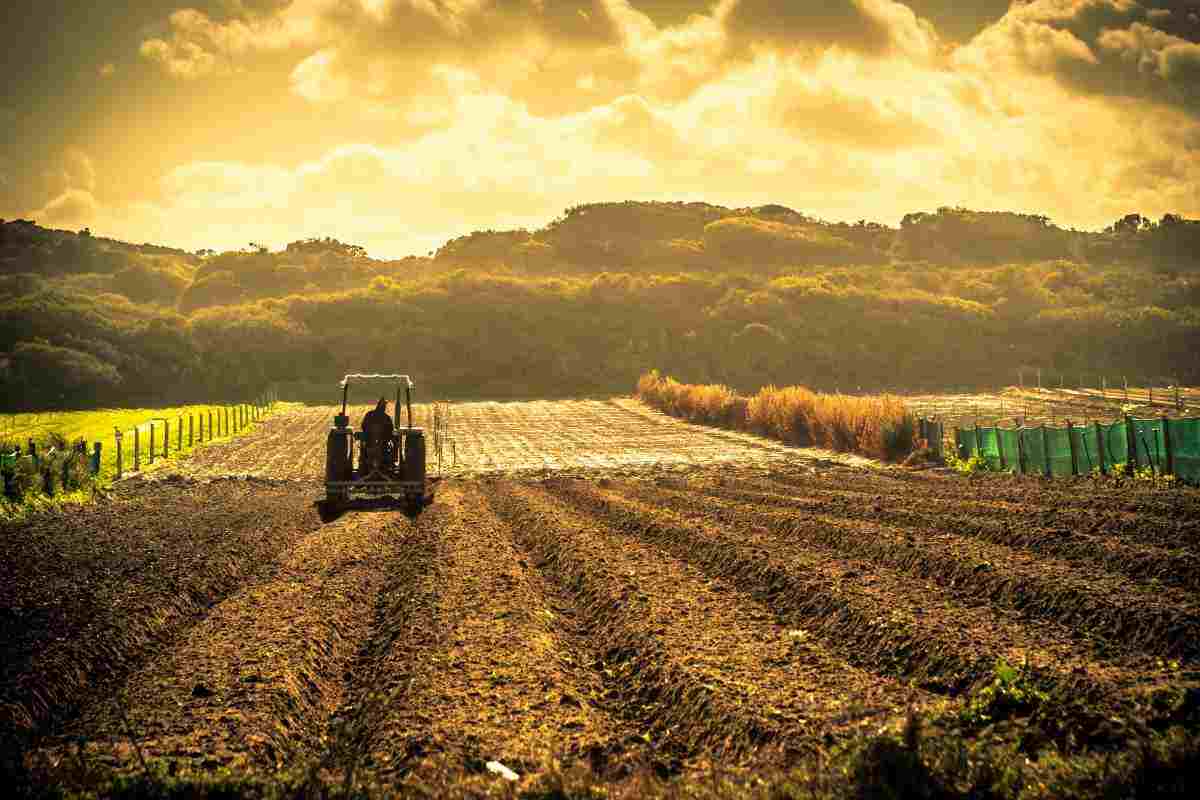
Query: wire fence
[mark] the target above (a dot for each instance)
(48, 468)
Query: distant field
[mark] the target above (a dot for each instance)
(99, 426)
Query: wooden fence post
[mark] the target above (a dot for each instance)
(1100, 446)
(179, 434)
(1131, 462)
(137, 449)
(1074, 450)
(1170, 469)
(117, 436)
(96, 458)
(1046, 452)
(191, 429)
(225, 415)
(1000, 447)
(151, 461)
(210, 429)
(166, 438)
(1021, 466)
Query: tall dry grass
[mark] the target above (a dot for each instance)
(879, 426)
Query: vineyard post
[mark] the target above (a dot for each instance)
(179, 434)
(1131, 462)
(1046, 452)
(1168, 446)
(1000, 447)
(1020, 447)
(1074, 450)
(1100, 448)
(210, 428)
(137, 450)
(191, 429)
(151, 461)
(166, 438)
(117, 437)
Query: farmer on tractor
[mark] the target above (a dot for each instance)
(380, 446)
(377, 423)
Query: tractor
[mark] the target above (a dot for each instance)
(391, 460)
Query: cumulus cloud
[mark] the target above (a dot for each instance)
(869, 26)
(1125, 48)
(484, 113)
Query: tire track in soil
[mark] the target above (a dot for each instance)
(1097, 548)
(890, 624)
(480, 662)
(92, 592)
(707, 671)
(1174, 527)
(1107, 612)
(255, 682)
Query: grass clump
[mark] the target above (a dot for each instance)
(879, 426)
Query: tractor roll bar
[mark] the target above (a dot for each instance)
(403, 380)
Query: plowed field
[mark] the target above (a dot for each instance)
(604, 596)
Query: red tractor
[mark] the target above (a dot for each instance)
(391, 460)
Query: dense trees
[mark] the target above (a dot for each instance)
(743, 297)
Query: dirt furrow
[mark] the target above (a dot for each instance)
(709, 670)
(495, 674)
(892, 624)
(254, 683)
(90, 592)
(1100, 609)
(1053, 536)
(1175, 530)
(1133, 500)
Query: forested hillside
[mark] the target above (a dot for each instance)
(709, 294)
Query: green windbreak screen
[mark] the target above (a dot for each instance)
(1058, 450)
(7, 460)
(1035, 453)
(965, 442)
(1185, 448)
(988, 448)
(1008, 442)
(1113, 443)
(1151, 449)
(1087, 448)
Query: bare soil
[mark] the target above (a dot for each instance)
(597, 589)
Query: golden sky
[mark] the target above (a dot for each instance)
(396, 124)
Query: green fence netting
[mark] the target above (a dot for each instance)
(1057, 450)
(1151, 448)
(1082, 449)
(1185, 448)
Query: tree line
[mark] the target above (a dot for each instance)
(739, 297)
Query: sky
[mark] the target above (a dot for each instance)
(398, 124)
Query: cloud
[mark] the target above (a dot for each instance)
(866, 26)
(1119, 48)
(74, 208)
